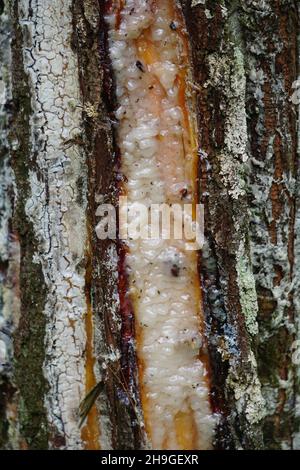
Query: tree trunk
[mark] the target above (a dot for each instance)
(63, 327)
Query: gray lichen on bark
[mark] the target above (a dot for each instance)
(245, 63)
(272, 59)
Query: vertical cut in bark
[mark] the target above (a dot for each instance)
(156, 136)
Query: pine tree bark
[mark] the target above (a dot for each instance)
(60, 322)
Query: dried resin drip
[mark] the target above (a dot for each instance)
(157, 139)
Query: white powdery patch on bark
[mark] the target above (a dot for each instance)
(53, 208)
(149, 58)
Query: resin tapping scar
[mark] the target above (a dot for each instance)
(157, 139)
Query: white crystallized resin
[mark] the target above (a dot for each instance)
(158, 158)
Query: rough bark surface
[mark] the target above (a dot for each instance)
(60, 319)
(246, 59)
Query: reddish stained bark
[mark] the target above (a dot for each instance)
(97, 87)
